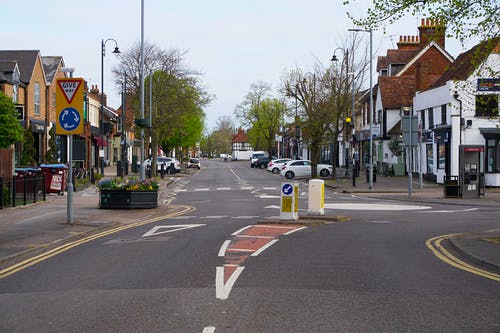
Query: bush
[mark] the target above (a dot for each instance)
(131, 184)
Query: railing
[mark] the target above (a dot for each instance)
(22, 189)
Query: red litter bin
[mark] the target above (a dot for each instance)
(55, 177)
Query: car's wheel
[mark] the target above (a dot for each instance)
(262, 166)
(324, 173)
(289, 175)
(276, 170)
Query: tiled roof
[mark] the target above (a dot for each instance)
(467, 62)
(395, 57)
(50, 65)
(240, 137)
(396, 91)
(26, 60)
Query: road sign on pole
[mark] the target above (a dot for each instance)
(69, 106)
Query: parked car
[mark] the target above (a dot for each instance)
(262, 162)
(255, 156)
(302, 168)
(194, 163)
(170, 164)
(275, 165)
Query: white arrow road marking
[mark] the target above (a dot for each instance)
(451, 211)
(374, 206)
(222, 290)
(209, 329)
(172, 228)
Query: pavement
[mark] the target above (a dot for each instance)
(34, 229)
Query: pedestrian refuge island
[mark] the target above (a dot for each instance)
(289, 207)
(316, 204)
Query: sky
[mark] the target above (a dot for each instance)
(234, 43)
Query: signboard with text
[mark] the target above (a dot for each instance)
(69, 106)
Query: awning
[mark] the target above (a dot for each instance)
(101, 141)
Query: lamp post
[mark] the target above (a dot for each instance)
(353, 115)
(370, 179)
(101, 114)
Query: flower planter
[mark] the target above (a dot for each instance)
(121, 199)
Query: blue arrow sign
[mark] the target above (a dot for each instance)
(69, 119)
(287, 189)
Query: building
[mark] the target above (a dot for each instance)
(459, 113)
(240, 147)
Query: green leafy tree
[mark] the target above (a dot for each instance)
(52, 152)
(29, 151)
(10, 129)
(464, 18)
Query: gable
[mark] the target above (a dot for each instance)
(432, 53)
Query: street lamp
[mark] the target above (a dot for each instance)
(370, 180)
(353, 119)
(101, 115)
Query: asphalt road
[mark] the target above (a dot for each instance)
(217, 270)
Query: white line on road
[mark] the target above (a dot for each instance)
(247, 187)
(234, 173)
(223, 248)
(262, 249)
(241, 230)
(451, 211)
(201, 189)
(222, 290)
(171, 228)
(223, 188)
(374, 206)
(209, 329)
(292, 231)
(269, 196)
(213, 217)
(245, 217)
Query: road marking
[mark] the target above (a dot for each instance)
(272, 206)
(269, 188)
(223, 248)
(246, 188)
(263, 248)
(245, 217)
(201, 189)
(209, 329)
(268, 196)
(292, 231)
(234, 173)
(434, 244)
(213, 217)
(172, 228)
(452, 211)
(241, 230)
(223, 188)
(222, 289)
(63, 248)
(374, 206)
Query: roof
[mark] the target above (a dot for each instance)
(240, 137)
(26, 60)
(467, 62)
(395, 56)
(396, 91)
(421, 53)
(50, 66)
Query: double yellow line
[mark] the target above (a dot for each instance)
(434, 244)
(60, 249)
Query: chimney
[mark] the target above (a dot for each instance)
(408, 43)
(431, 30)
(422, 76)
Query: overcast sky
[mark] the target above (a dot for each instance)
(233, 42)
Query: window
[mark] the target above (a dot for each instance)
(431, 117)
(37, 99)
(493, 155)
(430, 158)
(486, 105)
(441, 156)
(443, 114)
(422, 117)
(14, 93)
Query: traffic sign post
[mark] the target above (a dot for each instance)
(69, 121)
(289, 208)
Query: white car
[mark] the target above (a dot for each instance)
(302, 168)
(170, 164)
(275, 165)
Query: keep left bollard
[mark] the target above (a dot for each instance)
(316, 205)
(289, 207)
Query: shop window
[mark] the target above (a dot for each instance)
(430, 158)
(430, 114)
(493, 155)
(441, 156)
(486, 105)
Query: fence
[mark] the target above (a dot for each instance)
(22, 189)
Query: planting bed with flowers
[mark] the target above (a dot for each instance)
(128, 193)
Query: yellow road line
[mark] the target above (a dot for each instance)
(57, 250)
(434, 244)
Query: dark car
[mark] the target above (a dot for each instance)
(262, 162)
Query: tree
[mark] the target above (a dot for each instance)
(10, 129)
(29, 151)
(263, 115)
(464, 18)
(52, 152)
(178, 97)
(223, 135)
